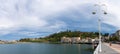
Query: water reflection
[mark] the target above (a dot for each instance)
(42, 48)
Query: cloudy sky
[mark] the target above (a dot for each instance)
(39, 18)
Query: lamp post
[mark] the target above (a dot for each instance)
(99, 23)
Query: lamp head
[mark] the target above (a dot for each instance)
(93, 12)
(105, 13)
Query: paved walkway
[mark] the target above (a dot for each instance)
(107, 49)
(115, 47)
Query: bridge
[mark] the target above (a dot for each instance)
(106, 49)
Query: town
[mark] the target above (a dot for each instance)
(77, 38)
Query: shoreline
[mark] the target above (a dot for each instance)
(44, 42)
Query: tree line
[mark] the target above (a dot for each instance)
(56, 37)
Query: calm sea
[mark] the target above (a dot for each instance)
(43, 48)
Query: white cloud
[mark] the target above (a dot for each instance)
(113, 17)
(42, 15)
(33, 14)
(5, 23)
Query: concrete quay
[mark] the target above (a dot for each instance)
(107, 49)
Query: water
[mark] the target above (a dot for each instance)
(43, 48)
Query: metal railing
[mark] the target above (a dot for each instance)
(97, 49)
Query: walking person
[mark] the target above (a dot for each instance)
(110, 44)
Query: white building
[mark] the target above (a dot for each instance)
(65, 39)
(70, 39)
(118, 34)
(75, 39)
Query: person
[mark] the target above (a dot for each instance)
(110, 44)
(95, 46)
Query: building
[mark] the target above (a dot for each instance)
(70, 39)
(65, 40)
(78, 40)
(88, 40)
(2, 42)
(118, 34)
(75, 39)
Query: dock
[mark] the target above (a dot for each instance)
(106, 50)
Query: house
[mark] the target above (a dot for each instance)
(118, 34)
(75, 39)
(65, 40)
(70, 39)
(87, 40)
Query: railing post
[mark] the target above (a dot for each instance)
(97, 50)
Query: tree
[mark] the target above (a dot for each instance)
(114, 38)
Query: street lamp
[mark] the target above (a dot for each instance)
(99, 23)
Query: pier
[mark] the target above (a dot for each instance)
(106, 49)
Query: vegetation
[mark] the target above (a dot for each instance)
(33, 40)
(114, 38)
(56, 37)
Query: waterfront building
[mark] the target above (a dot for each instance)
(70, 39)
(118, 34)
(65, 39)
(2, 42)
(75, 39)
(78, 40)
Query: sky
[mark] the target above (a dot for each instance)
(40, 18)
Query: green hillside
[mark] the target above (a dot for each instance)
(56, 37)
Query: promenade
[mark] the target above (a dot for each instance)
(113, 49)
